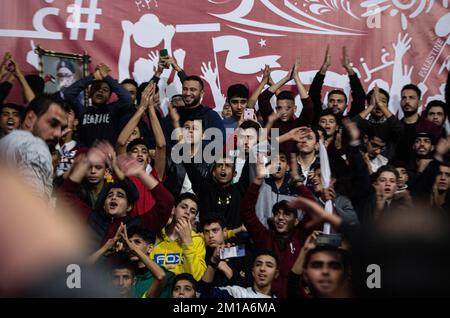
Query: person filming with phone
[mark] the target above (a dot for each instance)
(228, 264)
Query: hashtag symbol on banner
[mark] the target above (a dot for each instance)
(74, 21)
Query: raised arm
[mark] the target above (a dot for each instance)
(358, 93)
(193, 249)
(160, 140)
(254, 226)
(134, 120)
(156, 218)
(264, 81)
(158, 273)
(424, 183)
(70, 187)
(124, 96)
(315, 90)
(307, 115)
(27, 91)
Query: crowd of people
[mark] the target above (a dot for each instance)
(201, 204)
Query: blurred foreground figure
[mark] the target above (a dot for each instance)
(36, 247)
(412, 248)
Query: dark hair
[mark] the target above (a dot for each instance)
(126, 185)
(286, 95)
(96, 85)
(339, 92)
(382, 91)
(316, 132)
(195, 78)
(371, 132)
(226, 157)
(184, 120)
(36, 83)
(436, 103)
(142, 232)
(184, 276)
(414, 88)
(185, 196)
(387, 168)
(266, 252)
(40, 105)
(214, 219)
(237, 90)
(398, 164)
(320, 128)
(329, 248)
(135, 142)
(122, 262)
(283, 206)
(246, 124)
(130, 81)
(327, 112)
(17, 107)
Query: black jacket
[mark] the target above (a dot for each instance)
(216, 200)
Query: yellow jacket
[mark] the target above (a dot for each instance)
(180, 258)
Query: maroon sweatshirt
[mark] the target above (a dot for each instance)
(305, 119)
(153, 220)
(286, 249)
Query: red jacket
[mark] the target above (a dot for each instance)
(270, 240)
(305, 119)
(105, 226)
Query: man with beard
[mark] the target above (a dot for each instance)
(192, 96)
(423, 153)
(27, 149)
(337, 100)
(101, 121)
(410, 102)
(432, 186)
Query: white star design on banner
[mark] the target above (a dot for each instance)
(262, 42)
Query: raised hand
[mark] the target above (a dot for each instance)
(261, 169)
(184, 230)
(295, 175)
(103, 69)
(326, 61)
(174, 114)
(296, 69)
(442, 147)
(129, 166)
(147, 95)
(266, 74)
(316, 213)
(352, 129)
(111, 245)
(346, 61)
(99, 152)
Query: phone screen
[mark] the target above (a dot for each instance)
(231, 252)
(249, 113)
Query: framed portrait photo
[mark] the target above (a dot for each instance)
(60, 70)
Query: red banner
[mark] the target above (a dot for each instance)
(390, 43)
